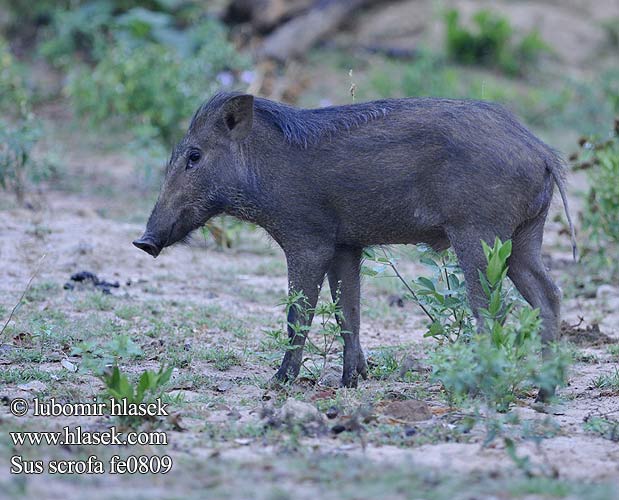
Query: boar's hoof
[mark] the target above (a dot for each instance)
(544, 395)
(362, 366)
(350, 380)
(284, 374)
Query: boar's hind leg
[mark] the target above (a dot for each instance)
(532, 280)
(344, 284)
(306, 272)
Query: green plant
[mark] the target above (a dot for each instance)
(428, 75)
(601, 160)
(611, 27)
(492, 43)
(16, 163)
(20, 375)
(610, 87)
(97, 358)
(382, 364)
(273, 344)
(13, 92)
(503, 358)
(23, 19)
(149, 386)
(121, 85)
(600, 216)
(442, 296)
(603, 426)
(222, 358)
(546, 102)
(19, 131)
(77, 32)
(82, 29)
(608, 381)
(327, 314)
(18, 136)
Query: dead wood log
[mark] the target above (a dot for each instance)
(264, 15)
(297, 36)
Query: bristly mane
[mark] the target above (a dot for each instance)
(303, 127)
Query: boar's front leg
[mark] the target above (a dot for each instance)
(306, 272)
(344, 284)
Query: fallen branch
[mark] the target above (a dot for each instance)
(301, 33)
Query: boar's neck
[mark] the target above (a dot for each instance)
(270, 179)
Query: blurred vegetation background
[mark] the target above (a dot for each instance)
(125, 76)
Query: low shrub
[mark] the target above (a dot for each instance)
(600, 216)
(150, 87)
(19, 131)
(500, 359)
(491, 43)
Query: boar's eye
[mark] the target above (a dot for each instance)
(193, 158)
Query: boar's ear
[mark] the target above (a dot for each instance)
(238, 116)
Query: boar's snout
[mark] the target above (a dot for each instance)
(147, 243)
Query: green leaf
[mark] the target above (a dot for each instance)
(428, 262)
(505, 250)
(427, 283)
(435, 330)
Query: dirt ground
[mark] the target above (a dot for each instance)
(216, 317)
(211, 314)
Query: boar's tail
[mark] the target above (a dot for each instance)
(556, 168)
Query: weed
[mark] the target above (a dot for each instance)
(21, 375)
(13, 92)
(613, 350)
(19, 131)
(97, 301)
(547, 102)
(222, 358)
(585, 357)
(127, 312)
(602, 426)
(149, 386)
(601, 160)
(429, 75)
(607, 381)
(274, 342)
(329, 315)
(442, 297)
(382, 364)
(500, 361)
(600, 218)
(121, 84)
(98, 358)
(17, 165)
(41, 291)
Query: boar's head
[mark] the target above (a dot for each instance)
(203, 172)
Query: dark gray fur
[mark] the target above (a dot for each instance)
(325, 183)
